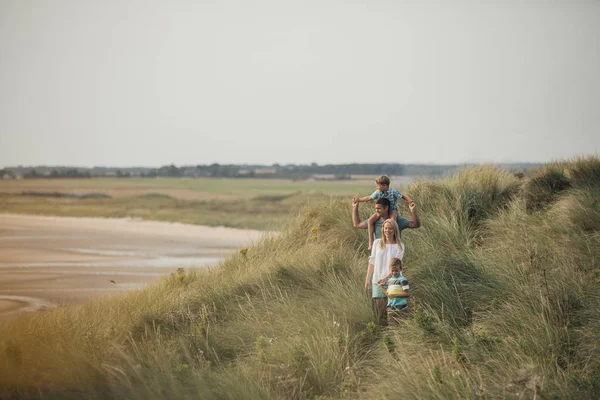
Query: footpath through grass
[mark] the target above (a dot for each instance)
(505, 289)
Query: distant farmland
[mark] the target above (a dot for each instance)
(242, 203)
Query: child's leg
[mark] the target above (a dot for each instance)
(391, 318)
(394, 215)
(371, 222)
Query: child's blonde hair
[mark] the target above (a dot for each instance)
(383, 180)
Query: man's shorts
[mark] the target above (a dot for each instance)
(377, 292)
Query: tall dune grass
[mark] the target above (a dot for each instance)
(505, 304)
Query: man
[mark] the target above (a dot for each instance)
(382, 207)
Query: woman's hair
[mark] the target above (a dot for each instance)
(382, 243)
(395, 262)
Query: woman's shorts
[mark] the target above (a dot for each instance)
(377, 292)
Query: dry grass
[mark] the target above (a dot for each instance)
(505, 305)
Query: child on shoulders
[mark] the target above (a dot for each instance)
(383, 191)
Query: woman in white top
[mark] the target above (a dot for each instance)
(384, 250)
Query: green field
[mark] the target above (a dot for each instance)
(241, 203)
(505, 304)
(243, 188)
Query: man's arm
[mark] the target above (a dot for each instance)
(415, 222)
(356, 218)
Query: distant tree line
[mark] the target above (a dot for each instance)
(55, 173)
(288, 171)
(341, 171)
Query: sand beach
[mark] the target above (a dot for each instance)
(49, 261)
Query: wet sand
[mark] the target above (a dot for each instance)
(48, 261)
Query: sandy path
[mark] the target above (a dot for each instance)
(45, 261)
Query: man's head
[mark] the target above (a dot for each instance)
(383, 183)
(382, 207)
(396, 267)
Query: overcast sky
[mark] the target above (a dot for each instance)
(124, 83)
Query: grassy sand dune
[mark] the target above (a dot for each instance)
(505, 290)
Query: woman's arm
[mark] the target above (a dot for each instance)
(369, 277)
(371, 267)
(374, 251)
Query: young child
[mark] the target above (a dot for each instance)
(395, 287)
(383, 191)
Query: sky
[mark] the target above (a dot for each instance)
(149, 83)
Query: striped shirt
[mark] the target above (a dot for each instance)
(397, 285)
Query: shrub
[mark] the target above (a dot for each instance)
(545, 185)
(471, 196)
(584, 171)
(581, 208)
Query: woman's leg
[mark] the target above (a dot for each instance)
(381, 305)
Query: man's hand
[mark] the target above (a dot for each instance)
(416, 222)
(355, 202)
(367, 286)
(412, 206)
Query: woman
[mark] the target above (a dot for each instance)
(384, 249)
